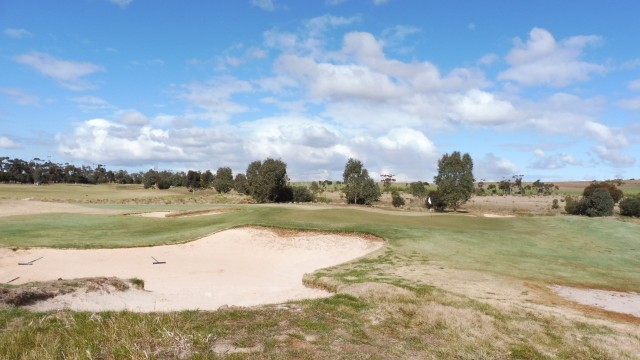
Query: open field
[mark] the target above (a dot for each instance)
(443, 286)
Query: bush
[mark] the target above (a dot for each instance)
(435, 201)
(630, 206)
(600, 203)
(616, 194)
(555, 204)
(575, 206)
(302, 194)
(396, 199)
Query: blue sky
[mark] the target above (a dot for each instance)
(546, 89)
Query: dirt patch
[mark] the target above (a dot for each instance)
(176, 214)
(620, 302)
(242, 267)
(32, 207)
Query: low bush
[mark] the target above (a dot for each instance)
(600, 203)
(434, 201)
(302, 194)
(630, 206)
(396, 199)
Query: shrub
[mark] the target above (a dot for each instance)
(600, 203)
(302, 194)
(613, 190)
(630, 206)
(396, 199)
(435, 201)
(575, 206)
(555, 204)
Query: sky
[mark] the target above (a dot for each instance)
(545, 89)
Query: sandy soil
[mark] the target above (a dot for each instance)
(621, 302)
(242, 267)
(32, 207)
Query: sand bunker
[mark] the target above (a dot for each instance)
(169, 214)
(621, 302)
(242, 267)
(498, 216)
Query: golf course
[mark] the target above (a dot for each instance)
(399, 284)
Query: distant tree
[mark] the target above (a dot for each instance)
(267, 181)
(387, 181)
(505, 186)
(455, 179)
(149, 178)
(613, 190)
(396, 199)
(418, 190)
(253, 175)
(223, 182)
(314, 188)
(359, 187)
(206, 179)
(193, 179)
(240, 184)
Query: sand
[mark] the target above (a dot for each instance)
(240, 267)
(621, 302)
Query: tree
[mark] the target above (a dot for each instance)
(387, 180)
(267, 181)
(240, 184)
(359, 187)
(455, 179)
(223, 182)
(193, 179)
(206, 179)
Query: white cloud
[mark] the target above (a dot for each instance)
(100, 140)
(69, 74)
(215, 97)
(19, 96)
(17, 33)
(613, 156)
(133, 118)
(543, 61)
(630, 104)
(556, 161)
(539, 153)
(6, 143)
(493, 168)
(92, 103)
(634, 85)
(267, 5)
(481, 107)
(488, 59)
(122, 3)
